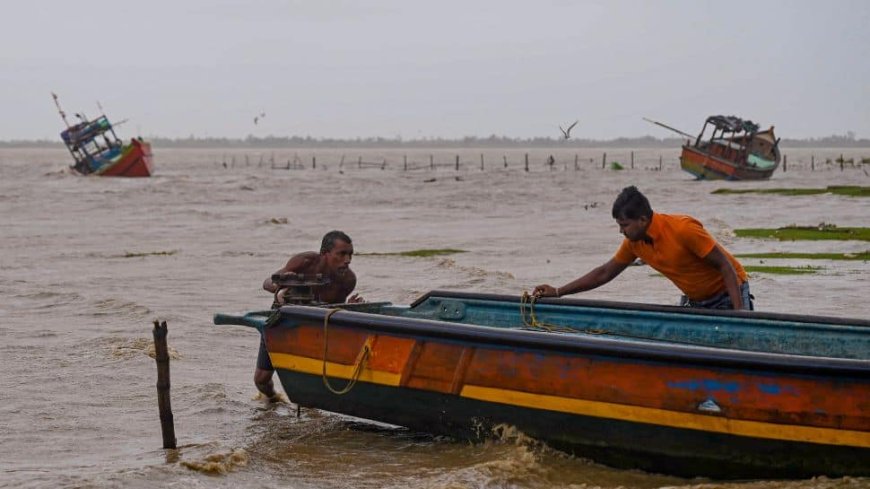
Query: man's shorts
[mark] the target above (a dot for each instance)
(263, 360)
(723, 300)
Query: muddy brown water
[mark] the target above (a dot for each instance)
(88, 263)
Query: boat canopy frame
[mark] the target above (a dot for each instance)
(727, 124)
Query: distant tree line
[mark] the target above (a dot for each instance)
(835, 141)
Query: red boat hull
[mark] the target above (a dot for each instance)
(134, 161)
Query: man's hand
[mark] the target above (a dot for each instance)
(355, 299)
(279, 296)
(545, 290)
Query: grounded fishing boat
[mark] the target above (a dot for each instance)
(723, 394)
(735, 150)
(97, 150)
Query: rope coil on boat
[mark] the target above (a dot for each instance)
(361, 360)
(528, 301)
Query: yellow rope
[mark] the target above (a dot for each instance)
(528, 300)
(361, 360)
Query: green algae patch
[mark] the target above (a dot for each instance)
(812, 233)
(859, 256)
(775, 270)
(423, 253)
(844, 190)
(129, 254)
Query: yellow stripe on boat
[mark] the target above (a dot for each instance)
(674, 419)
(336, 370)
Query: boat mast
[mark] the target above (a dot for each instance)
(60, 110)
(668, 128)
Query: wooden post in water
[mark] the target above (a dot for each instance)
(405, 159)
(812, 162)
(481, 161)
(505, 160)
(313, 162)
(784, 163)
(632, 160)
(431, 162)
(841, 161)
(660, 162)
(603, 160)
(161, 351)
(359, 162)
(457, 162)
(527, 162)
(576, 162)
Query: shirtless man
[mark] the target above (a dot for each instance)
(333, 262)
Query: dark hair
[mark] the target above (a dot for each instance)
(330, 238)
(631, 204)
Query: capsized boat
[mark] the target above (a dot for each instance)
(736, 149)
(723, 394)
(97, 150)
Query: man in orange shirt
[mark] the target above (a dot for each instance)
(677, 246)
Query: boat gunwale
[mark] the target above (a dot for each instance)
(579, 343)
(635, 306)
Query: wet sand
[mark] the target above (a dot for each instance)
(88, 263)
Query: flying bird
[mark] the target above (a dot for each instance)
(257, 118)
(566, 134)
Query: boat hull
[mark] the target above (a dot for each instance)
(135, 160)
(705, 166)
(659, 406)
(613, 442)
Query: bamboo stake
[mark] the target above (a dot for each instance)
(167, 425)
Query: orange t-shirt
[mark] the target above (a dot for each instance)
(679, 245)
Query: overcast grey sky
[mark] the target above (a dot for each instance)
(435, 69)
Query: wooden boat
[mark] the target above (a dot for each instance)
(735, 150)
(97, 150)
(723, 394)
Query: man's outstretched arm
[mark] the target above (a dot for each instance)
(596, 278)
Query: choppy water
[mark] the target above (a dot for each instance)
(88, 263)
